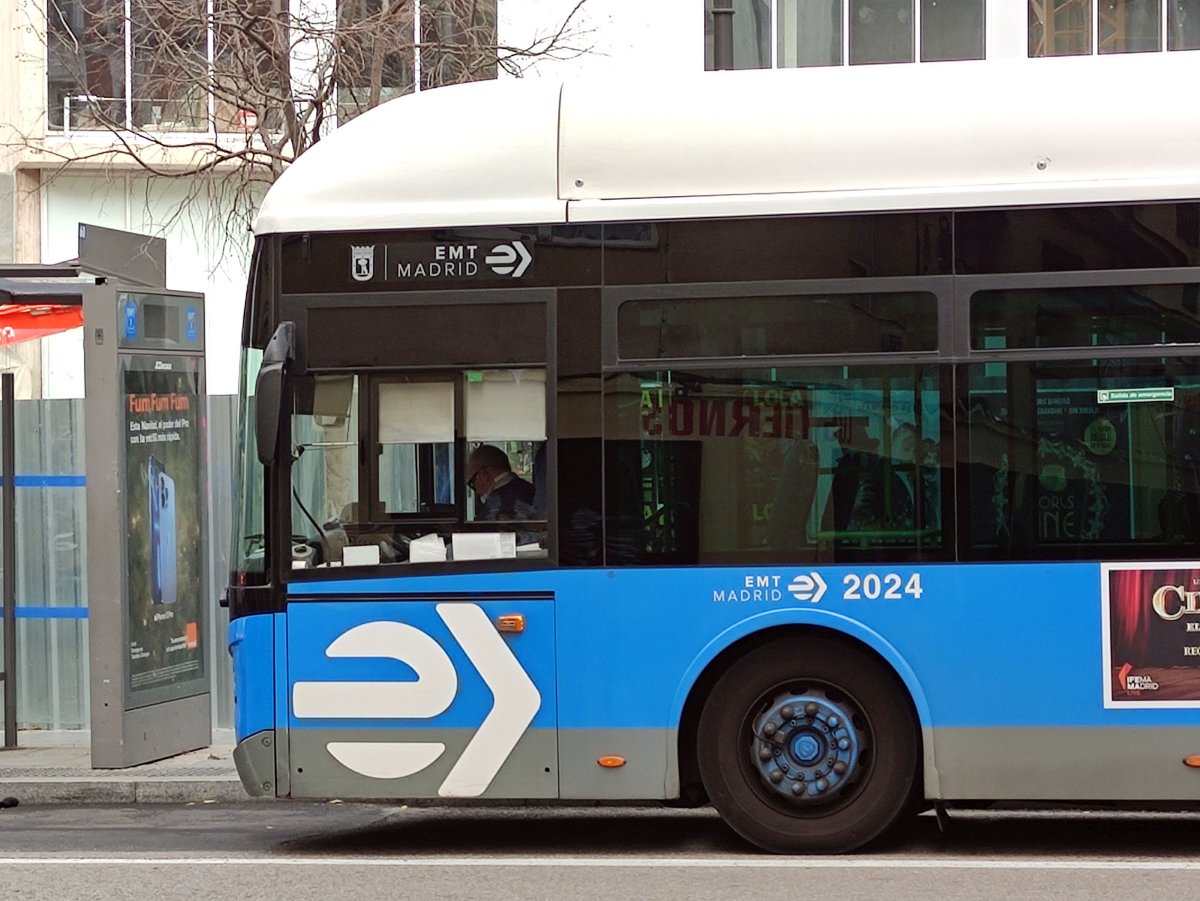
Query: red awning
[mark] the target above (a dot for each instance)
(27, 321)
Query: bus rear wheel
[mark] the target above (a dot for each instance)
(808, 746)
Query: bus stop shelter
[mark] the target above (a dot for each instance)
(146, 462)
(35, 301)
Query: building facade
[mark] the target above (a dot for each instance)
(83, 77)
(86, 80)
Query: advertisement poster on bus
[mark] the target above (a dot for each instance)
(165, 580)
(1151, 618)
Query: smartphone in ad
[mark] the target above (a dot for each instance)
(164, 583)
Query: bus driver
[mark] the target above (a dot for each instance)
(502, 494)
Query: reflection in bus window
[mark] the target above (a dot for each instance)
(1085, 316)
(774, 465)
(1067, 457)
(325, 468)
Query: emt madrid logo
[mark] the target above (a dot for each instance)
(806, 587)
(440, 261)
(515, 699)
(362, 262)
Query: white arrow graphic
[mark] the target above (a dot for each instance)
(503, 256)
(526, 259)
(432, 692)
(515, 701)
(427, 696)
(808, 588)
(385, 759)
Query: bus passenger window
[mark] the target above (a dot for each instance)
(415, 448)
(774, 465)
(505, 425)
(1068, 456)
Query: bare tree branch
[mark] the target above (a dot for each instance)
(229, 92)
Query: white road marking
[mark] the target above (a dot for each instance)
(688, 863)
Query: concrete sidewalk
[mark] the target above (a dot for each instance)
(55, 768)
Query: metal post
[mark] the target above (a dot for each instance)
(722, 34)
(8, 460)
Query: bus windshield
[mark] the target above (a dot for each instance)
(454, 471)
(248, 556)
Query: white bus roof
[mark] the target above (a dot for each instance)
(744, 143)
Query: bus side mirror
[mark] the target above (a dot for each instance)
(269, 391)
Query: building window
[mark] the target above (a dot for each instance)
(951, 29)
(458, 42)
(881, 31)
(86, 73)
(1082, 27)
(376, 59)
(378, 62)
(803, 33)
(1183, 24)
(196, 65)
(158, 65)
(810, 33)
(752, 25)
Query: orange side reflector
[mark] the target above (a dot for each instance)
(512, 622)
(1192, 760)
(612, 761)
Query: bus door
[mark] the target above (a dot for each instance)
(420, 623)
(419, 696)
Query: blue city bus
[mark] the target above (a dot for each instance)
(622, 441)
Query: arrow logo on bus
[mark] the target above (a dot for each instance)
(504, 259)
(516, 699)
(809, 587)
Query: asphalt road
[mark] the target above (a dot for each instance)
(301, 850)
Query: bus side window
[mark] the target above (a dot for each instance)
(505, 425)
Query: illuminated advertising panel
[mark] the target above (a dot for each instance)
(163, 436)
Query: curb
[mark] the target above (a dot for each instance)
(125, 791)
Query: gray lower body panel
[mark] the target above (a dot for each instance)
(650, 771)
(318, 770)
(1063, 764)
(538, 767)
(1010, 763)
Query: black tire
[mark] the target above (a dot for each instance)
(876, 791)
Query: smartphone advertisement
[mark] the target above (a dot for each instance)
(163, 402)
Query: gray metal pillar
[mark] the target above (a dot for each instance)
(8, 459)
(722, 34)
